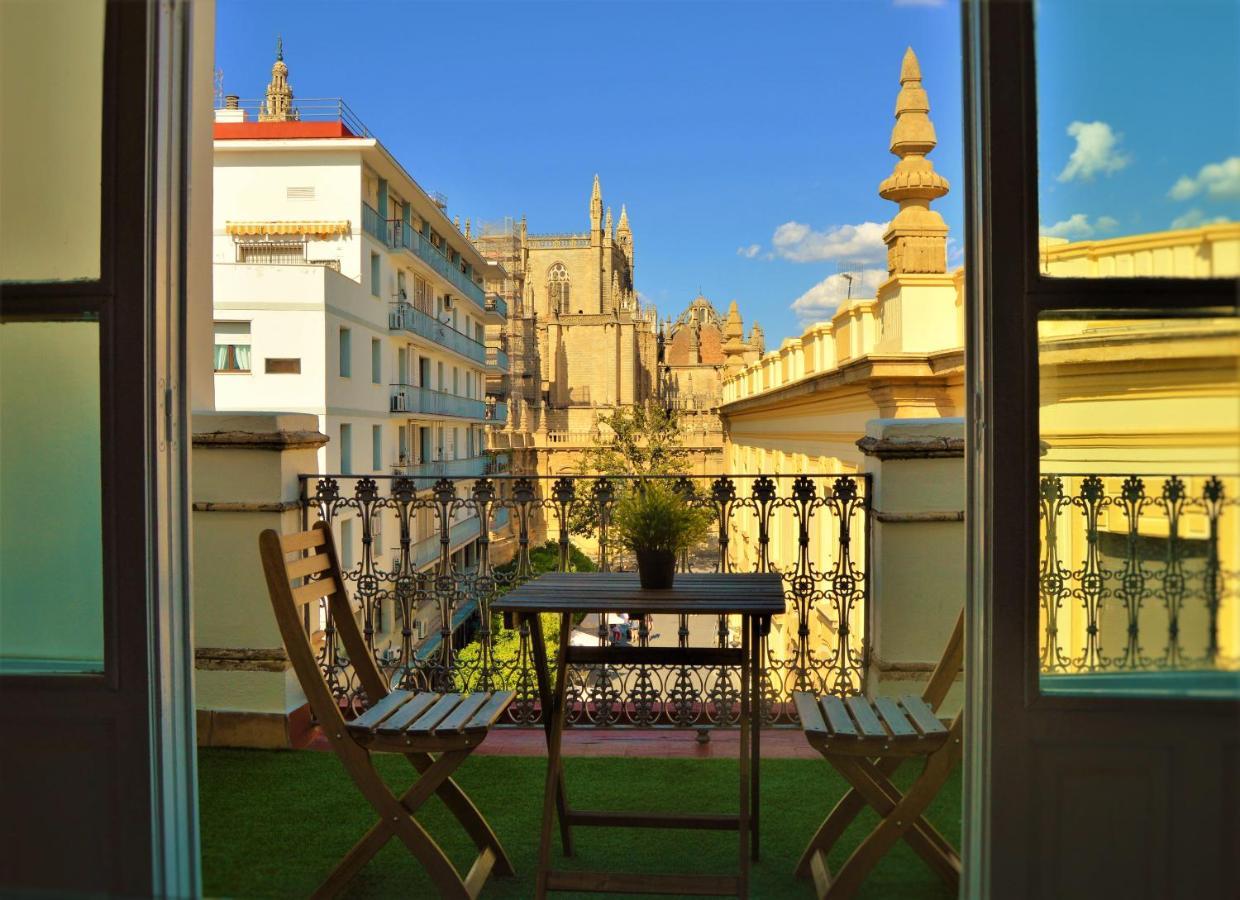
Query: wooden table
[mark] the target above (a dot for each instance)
(752, 597)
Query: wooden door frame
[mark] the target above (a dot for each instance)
(1005, 294)
(144, 695)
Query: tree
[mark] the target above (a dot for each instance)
(644, 440)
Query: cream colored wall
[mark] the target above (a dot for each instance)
(583, 265)
(1210, 251)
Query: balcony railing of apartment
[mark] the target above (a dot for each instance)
(401, 234)
(470, 466)
(412, 398)
(497, 411)
(497, 304)
(498, 463)
(314, 109)
(404, 316)
(497, 359)
(819, 526)
(1136, 572)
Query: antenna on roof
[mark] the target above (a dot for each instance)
(851, 270)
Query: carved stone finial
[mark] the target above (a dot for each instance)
(596, 204)
(467, 227)
(917, 237)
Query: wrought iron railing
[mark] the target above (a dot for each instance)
(811, 529)
(1138, 572)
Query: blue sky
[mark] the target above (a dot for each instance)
(715, 123)
(748, 139)
(1139, 115)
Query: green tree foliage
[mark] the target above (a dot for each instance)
(644, 440)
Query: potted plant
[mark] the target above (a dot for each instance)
(657, 524)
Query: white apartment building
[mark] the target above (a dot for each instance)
(343, 290)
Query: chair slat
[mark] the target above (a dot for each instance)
(491, 711)
(409, 712)
(893, 717)
(863, 713)
(838, 720)
(302, 540)
(923, 716)
(464, 712)
(313, 590)
(809, 713)
(426, 723)
(309, 565)
(371, 718)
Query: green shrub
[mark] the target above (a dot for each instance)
(655, 517)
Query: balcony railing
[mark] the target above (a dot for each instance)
(406, 317)
(817, 525)
(401, 234)
(497, 359)
(497, 304)
(470, 466)
(497, 411)
(412, 398)
(1136, 571)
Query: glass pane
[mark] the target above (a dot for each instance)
(1138, 138)
(51, 115)
(1140, 505)
(51, 556)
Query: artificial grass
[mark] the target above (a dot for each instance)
(275, 823)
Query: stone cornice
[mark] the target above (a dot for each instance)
(245, 506)
(261, 440)
(913, 448)
(241, 659)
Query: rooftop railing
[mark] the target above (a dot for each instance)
(821, 523)
(314, 109)
(412, 398)
(405, 316)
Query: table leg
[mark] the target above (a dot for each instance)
(555, 767)
(755, 732)
(551, 710)
(745, 761)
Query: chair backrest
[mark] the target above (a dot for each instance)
(312, 574)
(950, 665)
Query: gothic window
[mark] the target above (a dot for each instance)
(558, 288)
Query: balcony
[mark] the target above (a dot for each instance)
(497, 305)
(399, 234)
(497, 412)
(412, 398)
(497, 359)
(406, 317)
(818, 644)
(468, 467)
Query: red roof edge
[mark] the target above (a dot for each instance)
(280, 130)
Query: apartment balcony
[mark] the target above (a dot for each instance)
(497, 360)
(497, 309)
(406, 317)
(415, 399)
(398, 235)
(468, 467)
(497, 412)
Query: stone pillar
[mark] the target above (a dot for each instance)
(245, 468)
(917, 553)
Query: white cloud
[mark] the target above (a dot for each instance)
(1097, 151)
(1195, 217)
(1077, 227)
(749, 252)
(821, 301)
(1219, 181)
(801, 243)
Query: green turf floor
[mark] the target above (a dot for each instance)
(275, 823)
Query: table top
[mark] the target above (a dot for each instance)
(692, 592)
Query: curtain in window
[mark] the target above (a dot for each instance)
(242, 354)
(221, 357)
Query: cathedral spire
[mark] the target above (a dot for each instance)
(623, 226)
(278, 106)
(596, 205)
(917, 237)
(607, 226)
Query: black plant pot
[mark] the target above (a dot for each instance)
(656, 568)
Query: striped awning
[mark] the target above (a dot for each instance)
(323, 229)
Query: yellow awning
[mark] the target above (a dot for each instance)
(323, 229)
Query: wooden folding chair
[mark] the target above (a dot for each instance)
(866, 742)
(415, 724)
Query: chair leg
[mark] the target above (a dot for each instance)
(897, 820)
(396, 818)
(835, 824)
(467, 814)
